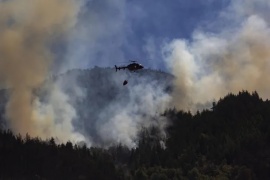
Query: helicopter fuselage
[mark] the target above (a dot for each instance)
(131, 67)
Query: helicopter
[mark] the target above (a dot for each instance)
(133, 66)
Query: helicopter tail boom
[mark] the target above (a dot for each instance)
(119, 68)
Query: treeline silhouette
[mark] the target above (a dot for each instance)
(229, 141)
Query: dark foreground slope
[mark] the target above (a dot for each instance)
(35, 159)
(231, 141)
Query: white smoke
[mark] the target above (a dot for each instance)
(98, 40)
(28, 30)
(143, 108)
(210, 65)
(32, 35)
(61, 113)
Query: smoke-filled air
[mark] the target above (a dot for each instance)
(40, 105)
(213, 64)
(27, 30)
(43, 41)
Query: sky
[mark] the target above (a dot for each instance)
(109, 32)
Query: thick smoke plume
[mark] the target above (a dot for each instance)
(141, 107)
(206, 67)
(110, 113)
(27, 31)
(212, 65)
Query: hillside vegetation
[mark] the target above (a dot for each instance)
(229, 141)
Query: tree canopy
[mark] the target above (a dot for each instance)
(228, 141)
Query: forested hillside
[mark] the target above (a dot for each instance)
(229, 141)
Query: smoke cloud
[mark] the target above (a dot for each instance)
(142, 107)
(110, 113)
(27, 31)
(206, 67)
(61, 107)
(210, 65)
